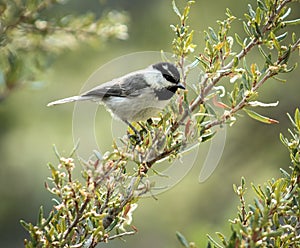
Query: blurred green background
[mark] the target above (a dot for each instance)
(28, 129)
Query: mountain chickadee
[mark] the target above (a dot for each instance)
(136, 96)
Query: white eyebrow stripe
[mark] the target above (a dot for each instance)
(166, 67)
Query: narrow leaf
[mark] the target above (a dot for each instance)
(275, 41)
(286, 14)
(26, 225)
(294, 37)
(292, 22)
(259, 117)
(284, 173)
(261, 104)
(246, 29)
(258, 16)
(257, 29)
(297, 119)
(261, 5)
(258, 192)
(251, 11)
(182, 239)
(222, 237)
(267, 58)
(213, 34)
(56, 152)
(281, 37)
(246, 66)
(288, 70)
(283, 140)
(291, 119)
(239, 40)
(206, 137)
(175, 9)
(279, 79)
(40, 217)
(45, 223)
(285, 57)
(213, 241)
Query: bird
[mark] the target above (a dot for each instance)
(137, 96)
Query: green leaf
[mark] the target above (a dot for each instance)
(281, 37)
(239, 40)
(56, 152)
(40, 217)
(182, 239)
(246, 29)
(203, 63)
(284, 173)
(175, 9)
(297, 119)
(283, 140)
(261, 5)
(213, 241)
(54, 173)
(292, 22)
(261, 104)
(235, 61)
(288, 70)
(234, 188)
(286, 14)
(75, 148)
(275, 41)
(267, 58)
(294, 37)
(208, 245)
(186, 11)
(258, 192)
(259, 117)
(258, 16)
(27, 226)
(279, 79)
(285, 57)
(257, 30)
(213, 34)
(228, 12)
(251, 11)
(45, 223)
(222, 237)
(206, 137)
(243, 182)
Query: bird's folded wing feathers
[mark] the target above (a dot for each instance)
(121, 87)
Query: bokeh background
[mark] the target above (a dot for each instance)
(28, 129)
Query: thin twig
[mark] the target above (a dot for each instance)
(122, 235)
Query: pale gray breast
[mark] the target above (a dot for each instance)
(140, 107)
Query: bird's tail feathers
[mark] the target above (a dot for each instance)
(68, 99)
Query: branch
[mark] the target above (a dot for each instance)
(120, 235)
(108, 198)
(227, 70)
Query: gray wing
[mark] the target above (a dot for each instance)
(130, 85)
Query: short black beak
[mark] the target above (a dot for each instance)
(181, 86)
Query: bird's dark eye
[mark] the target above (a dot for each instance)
(169, 71)
(170, 78)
